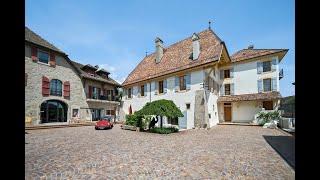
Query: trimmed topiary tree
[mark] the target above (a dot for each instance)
(160, 108)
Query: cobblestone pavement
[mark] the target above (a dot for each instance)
(222, 152)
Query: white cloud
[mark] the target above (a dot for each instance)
(107, 67)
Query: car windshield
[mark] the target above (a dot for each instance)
(108, 118)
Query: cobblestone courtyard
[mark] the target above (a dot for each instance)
(222, 152)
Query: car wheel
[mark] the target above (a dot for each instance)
(96, 128)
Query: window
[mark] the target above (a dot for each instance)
(160, 87)
(183, 82)
(75, 112)
(188, 106)
(43, 56)
(268, 105)
(110, 95)
(227, 73)
(227, 89)
(209, 116)
(266, 66)
(129, 93)
(173, 121)
(267, 85)
(95, 93)
(55, 87)
(142, 90)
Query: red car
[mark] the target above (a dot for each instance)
(104, 123)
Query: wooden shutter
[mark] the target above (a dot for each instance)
(232, 89)
(34, 54)
(231, 73)
(259, 85)
(221, 74)
(156, 85)
(45, 86)
(188, 81)
(259, 67)
(66, 89)
(52, 61)
(165, 86)
(145, 89)
(274, 65)
(139, 91)
(222, 90)
(176, 84)
(90, 91)
(274, 84)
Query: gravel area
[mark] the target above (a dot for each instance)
(222, 152)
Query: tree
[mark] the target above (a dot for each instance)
(160, 108)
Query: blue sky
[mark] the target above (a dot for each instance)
(116, 34)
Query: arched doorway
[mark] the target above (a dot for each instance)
(53, 111)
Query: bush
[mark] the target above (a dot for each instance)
(131, 120)
(266, 117)
(164, 130)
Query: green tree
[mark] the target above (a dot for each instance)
(160, 108)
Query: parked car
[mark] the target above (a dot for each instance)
(104, 123)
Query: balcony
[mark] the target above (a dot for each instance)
(281, 74)
(103, 99)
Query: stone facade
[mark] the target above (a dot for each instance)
(33, 90)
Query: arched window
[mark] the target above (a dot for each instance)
(55, 87)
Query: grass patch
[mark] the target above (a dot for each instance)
(164, 130)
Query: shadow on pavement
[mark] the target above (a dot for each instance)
(284, 146)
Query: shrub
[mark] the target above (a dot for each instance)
(131, 120)
(265, 117)
(164, 130)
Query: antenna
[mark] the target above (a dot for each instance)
(209, 24)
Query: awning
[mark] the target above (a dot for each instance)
(264, 96)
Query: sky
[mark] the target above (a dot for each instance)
(117, 34)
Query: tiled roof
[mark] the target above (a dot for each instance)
(32, 37)
(245, 54)
(251, 97)
(177, 57)
(83, 74)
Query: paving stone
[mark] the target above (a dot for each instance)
(221, 152)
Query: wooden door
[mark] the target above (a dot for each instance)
(227, 113)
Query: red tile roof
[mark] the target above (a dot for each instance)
(177, 57)
(245, 54)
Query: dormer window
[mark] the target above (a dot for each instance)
(43, 56)
(91, 74)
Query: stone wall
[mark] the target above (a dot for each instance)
(33, 91)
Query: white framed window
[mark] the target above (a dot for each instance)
(43, 56)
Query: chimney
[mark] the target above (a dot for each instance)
(96, 66)
(195, 46)
(250, 46)
(159, 49)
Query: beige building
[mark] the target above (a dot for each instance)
(58, 90)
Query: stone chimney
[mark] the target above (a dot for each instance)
(159, 49)
(250, 46)
(195, 46)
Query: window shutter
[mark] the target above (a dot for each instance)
(222, 90)
(232, 88)
(259, 85)
(274, 65)
(90, 91)
(259, 67)
(176, 84)
(145, 89)
(156, 87)
(52, 61)
(221, 74)
(231, 73)
(34, 54)
(274, 84)
(139, 91)
(45, 86)
(66, 89)
(165, 86)
(188, 83)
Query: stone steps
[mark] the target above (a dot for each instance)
(59, 126)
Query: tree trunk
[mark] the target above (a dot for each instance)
(161, 122)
